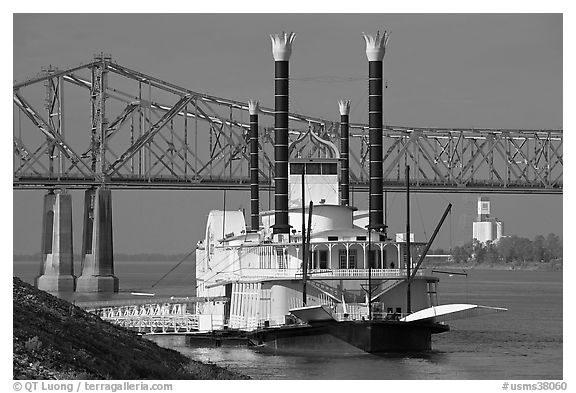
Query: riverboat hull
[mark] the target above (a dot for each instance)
(350, 336)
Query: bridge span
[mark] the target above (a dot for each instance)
(146, 133)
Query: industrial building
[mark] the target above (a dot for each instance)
(486, 228)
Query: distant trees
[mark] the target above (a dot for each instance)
(462, 254)
(510, 249)
(554, 246)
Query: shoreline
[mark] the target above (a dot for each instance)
(54, 339)
(529, 266)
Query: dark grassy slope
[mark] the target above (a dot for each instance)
(55, 340)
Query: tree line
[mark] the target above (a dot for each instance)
(509, 250)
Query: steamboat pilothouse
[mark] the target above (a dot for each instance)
(317, 272)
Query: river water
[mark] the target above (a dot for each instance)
(523, 343)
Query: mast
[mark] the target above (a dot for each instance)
(304, 254)
(408, 305)
(429, 244)
(224, 218)
(308, 238)
(385, 211)
(369, 274)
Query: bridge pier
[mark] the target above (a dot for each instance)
(97, 247)
(57, 264)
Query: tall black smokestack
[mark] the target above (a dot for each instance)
(254, 190)
(375, 50)
(281, 49)
(344, 107)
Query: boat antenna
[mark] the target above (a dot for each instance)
(408, 305)
(224, 218)
(386, 209)
(304, 255)
(308, 241)
(269, 186)
(369, 273)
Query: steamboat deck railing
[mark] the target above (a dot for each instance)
(314, 274)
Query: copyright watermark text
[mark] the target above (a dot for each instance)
(89, 386)
(537, 386)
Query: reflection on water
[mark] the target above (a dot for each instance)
(260, 363)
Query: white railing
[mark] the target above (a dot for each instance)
(313, 273)
(186, 323)
(152, 309)
(351, 316)
(283, 273)
(360, 315)
(375, 273)
(245, 323)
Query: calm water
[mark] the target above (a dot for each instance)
(523, 343)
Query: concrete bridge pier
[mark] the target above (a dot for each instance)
(97, 248)
(57, 264)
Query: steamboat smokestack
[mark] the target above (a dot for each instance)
(375, 50)
(281, 49)
(344, 107)
(253, 107)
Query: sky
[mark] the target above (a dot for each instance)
(444, 70)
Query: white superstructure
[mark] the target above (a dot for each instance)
(261, 279)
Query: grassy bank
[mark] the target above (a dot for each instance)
(53, 339)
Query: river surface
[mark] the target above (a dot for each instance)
(523, 343)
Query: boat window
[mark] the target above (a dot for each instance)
(330, 168)
(332, 238)
(296, 168)
(352, 259)
(281, 258)
(322, 259)
(360, 238)
(342, 259)
(313, 168)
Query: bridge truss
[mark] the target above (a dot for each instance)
(101, 123)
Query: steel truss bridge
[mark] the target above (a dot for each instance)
(103, 124)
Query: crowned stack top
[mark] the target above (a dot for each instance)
(282, 45)
(376, 45)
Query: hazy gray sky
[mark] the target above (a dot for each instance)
(453, 70)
